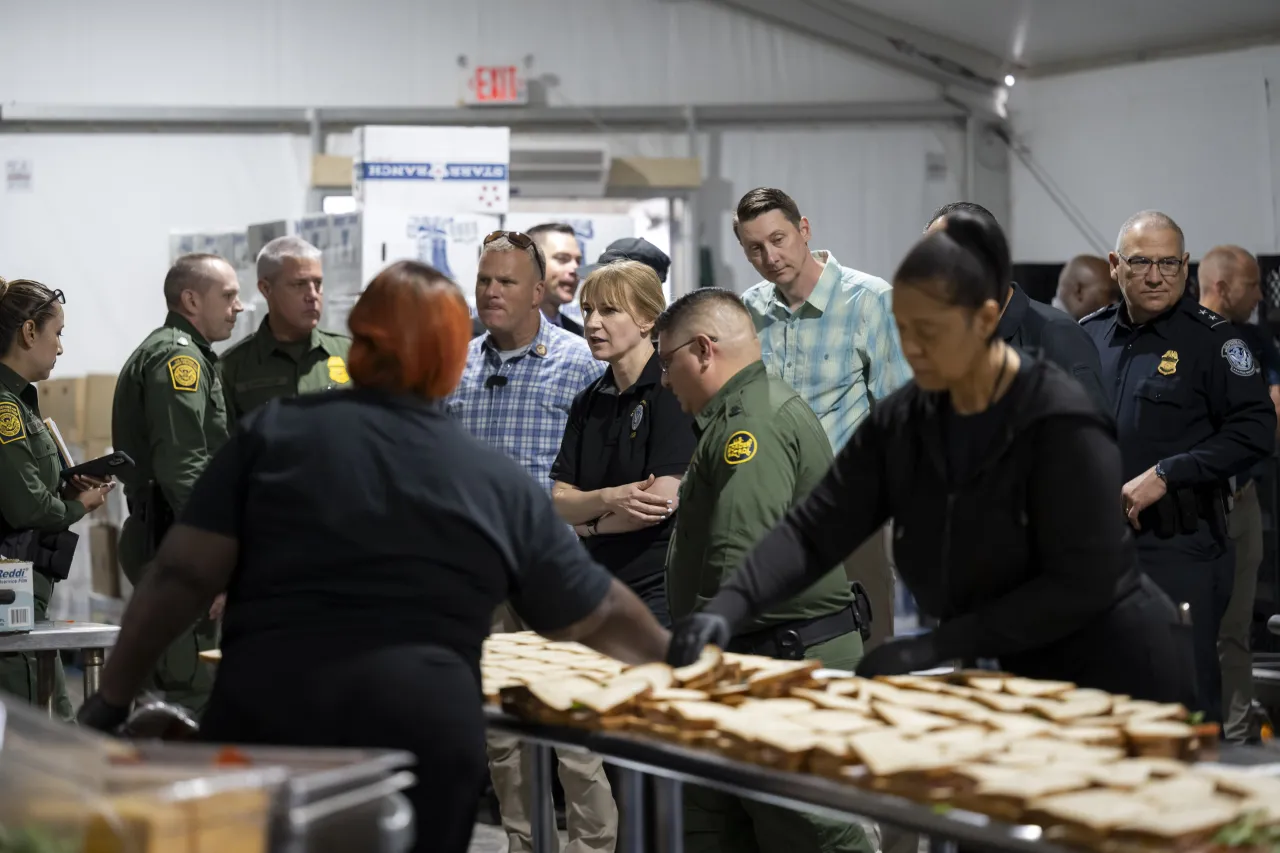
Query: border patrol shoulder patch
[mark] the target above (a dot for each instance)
(338, 370)
(12, 426)
(741, 447)
(184, 372)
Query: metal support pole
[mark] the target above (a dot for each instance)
(689, 280)
(670, 816)
(631, 810)
(314, 201)
(45, 669)
(971, 159)
(542, 819)
(93, 660)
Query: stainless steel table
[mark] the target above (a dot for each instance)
(672, 766)
(46, 639)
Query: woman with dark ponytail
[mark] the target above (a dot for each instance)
(1003, 483)
(35, 508)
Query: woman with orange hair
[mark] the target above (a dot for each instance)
(364, 539)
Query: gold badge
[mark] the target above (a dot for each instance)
(741, 447)
(1168, 363)
(185, 373)
(12, 427)
(540, 350)
(338, 370)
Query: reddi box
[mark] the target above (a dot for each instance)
(17, 596)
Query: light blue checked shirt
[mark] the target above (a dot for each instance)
(525, 418)
(840, 349)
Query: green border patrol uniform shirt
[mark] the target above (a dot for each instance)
(260, 368)
(29, 500)
(760, 450)
(170, 417)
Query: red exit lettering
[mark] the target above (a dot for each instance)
(497, 84)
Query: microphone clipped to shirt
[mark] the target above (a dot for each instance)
(495, 381)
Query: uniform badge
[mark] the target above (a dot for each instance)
(1168, 363)
(12, 427)
(540, 350)
(184, 371)
(637, 415)
(1237, 354)
(741, 447)
(338, 370)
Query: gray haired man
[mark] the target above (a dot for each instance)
(288, 354)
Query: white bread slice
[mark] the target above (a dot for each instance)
(1162, 768)
(675, 694)
(703, 670)
(1024, 787)
(1241, 782)
(1086, 815)
(1179, 792)
(843, 686)
(560, 694)
(1098, 722)
(986, 683)
(618, 694)
(1036, 689)
(1124, 775)
(700, 715)
(783, 707)
(1002, 702)
(887, 753)
(1074, 709)
(909, 721)
(1143, 709)
(834, 702)
(782, 672)
(748, 663)
(1100, 736)
(1020, 725)
(1054, 750)
(1162, 738)
(659, 675)
(835, 722)
(1163, 828)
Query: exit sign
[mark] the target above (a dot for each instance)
(494, 85)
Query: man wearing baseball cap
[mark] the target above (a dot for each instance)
(631, 249)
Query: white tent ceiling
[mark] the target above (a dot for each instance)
(1050, 35)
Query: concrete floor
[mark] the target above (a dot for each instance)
(491, 839)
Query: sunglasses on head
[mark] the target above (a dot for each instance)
(520, 241)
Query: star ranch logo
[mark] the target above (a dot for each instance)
(488, 172)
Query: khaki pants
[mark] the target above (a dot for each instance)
(1245, 526)
(871, 566)
(590, 812)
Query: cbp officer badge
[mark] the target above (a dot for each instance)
(1237, 354)
(338, 370)
(740, 447)
(1168, 363)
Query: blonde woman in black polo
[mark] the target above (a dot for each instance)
(627, 443)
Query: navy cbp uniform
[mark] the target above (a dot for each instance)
(1189, 400)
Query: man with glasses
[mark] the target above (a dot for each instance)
(1191, 412)
(516, 390)
(760, 450)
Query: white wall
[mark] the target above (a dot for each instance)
(1198, 138)
(404, 53)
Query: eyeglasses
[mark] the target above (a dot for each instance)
(664, 361)
(57, 296)
(521, 241)
(1141, 265)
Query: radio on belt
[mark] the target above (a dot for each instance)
(17, 596)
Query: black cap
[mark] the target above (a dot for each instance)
(631, 249)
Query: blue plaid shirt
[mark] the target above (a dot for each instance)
(524, 418)
(840, 349)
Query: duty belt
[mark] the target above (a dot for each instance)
(789, 640)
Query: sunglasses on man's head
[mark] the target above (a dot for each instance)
(521, 241)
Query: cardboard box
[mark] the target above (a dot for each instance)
(80, 406)
(17, 596)
(104, 541)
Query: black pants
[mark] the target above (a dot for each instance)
(421, 699)
(1206, 587)
(652, 591)
(1137, 648)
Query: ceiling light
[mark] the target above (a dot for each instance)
(1008, 80)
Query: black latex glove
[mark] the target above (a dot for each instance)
(98, 713)
(900, 655)
(692, 633)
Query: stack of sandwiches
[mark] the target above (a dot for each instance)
(1094, 769)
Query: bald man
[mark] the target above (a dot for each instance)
(1191, 413)
(1085, 285)
(760, 450)
(1231, 285)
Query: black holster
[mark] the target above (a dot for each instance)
(49, 553)
(861, 609)
(156, 516)
(1180, 510)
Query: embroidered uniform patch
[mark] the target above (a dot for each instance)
(184, 371)
(12, 427)
(741, 447)
(1237, 354)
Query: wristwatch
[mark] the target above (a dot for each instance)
(1161, 474)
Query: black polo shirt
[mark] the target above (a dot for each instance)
(373, 518)
(1030, 325)
(616, 437)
